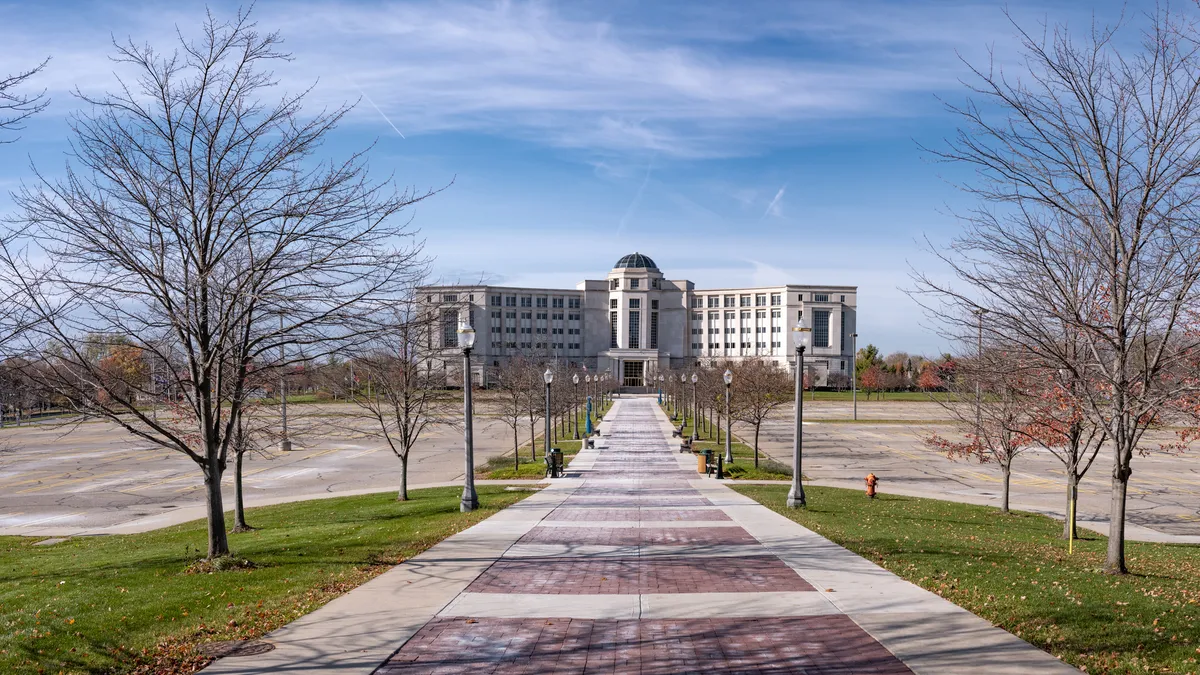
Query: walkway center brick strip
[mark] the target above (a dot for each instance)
(634, 476)
(825, 645)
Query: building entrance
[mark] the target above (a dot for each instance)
(634, 371)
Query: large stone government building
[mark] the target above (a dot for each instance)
(636, 322)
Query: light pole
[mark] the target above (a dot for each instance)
(683, 396)
(575, 403)
(660, 386)
(854, 371)
(466, 341)
(695, 408)
(728, 424)
(978, 365)
(587, 389)
(285, 443)
(795, 496)
(548, 377)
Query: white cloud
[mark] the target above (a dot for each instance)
(775, 208)
(555, 74)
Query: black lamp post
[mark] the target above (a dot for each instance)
(548, 377)
(695, 408)
(466, 341)
(575, 403)
(728, 423)
(795, 496)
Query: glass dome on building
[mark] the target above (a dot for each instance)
(635, 261)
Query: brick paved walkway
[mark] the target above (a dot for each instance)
(634, 563)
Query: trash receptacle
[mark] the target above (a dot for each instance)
(556, 457)
(702, 460)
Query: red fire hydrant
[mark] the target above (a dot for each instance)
(872, 481)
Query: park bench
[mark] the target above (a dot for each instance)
(676, 433)
(589, 442)
(685, 445)
(714, 467)
(710, 463)
(554, 463)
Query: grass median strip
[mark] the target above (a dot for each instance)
(143, 603)
(1014, 571)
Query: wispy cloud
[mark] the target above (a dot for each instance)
(637, 198)
(385, 117)
(568, 76)
(775, 208)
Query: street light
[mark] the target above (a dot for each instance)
(285, 443)
(660, 386)
(854, 371)
(695, 408)
(587, 390)
(466, 342)
(548, 377)
(978, 359)
(728, 424)
(683, 395)
(575, 403)
(795, 496)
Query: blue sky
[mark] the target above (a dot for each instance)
(734, 142)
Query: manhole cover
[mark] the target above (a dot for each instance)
(220, 650)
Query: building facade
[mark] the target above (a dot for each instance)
(635, 322)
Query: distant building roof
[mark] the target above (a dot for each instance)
(635, 261)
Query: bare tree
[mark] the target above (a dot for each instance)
(511, 381)
(256, 430)
(1058, 424)
(16, 107)
(1089, 186)
(993, 425)
(759, 387)
(400, 397)
(195, 223)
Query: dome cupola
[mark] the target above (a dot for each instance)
(635, 261)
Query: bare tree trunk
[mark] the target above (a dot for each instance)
(756, 428)
(218, 540)
(719, 425)
(1115, 563)
(532, 441)
(403, 495)
(239, 508)
(1007, 478)
(1071, 517)
(516, 450)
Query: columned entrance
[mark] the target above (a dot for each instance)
(634, 372)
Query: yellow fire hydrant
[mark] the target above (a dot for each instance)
(872, 481)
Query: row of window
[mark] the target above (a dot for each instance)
(731, 316)
(633, 285)
(536, 345)
(735, 345)
(758, 299)
(555, 316)
(634, 303)
(529, 301)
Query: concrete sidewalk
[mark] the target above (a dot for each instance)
(635, 564)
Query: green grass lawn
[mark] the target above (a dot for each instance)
(501, 467)
(1014, 571)
(743, 455)
(140, 603)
